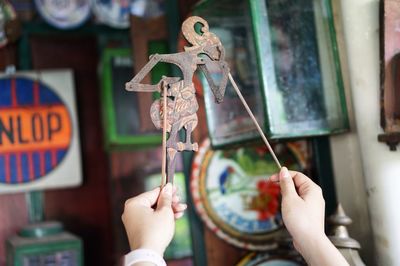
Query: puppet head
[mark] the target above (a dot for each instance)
(206, 41)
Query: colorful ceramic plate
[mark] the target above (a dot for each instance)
(233, 196)
(267, 259)
(148, 8)
(114, 13)
(8, 18)
(65, 14)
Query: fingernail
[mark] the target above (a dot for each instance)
(284, 173)
(168, 189)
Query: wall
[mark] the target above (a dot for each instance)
(346, 159)
(364, 167)
(14, 216)
(85, 210)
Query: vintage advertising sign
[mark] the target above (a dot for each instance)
(233, 196)
(39, 145)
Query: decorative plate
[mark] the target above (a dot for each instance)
(114, 13)
(148, 8)
(267, 259)
(233, 196)
(8, 23)
(64, 14)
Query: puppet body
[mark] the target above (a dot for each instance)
(181, 99)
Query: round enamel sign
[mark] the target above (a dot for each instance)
(233, 196)
(35, 130)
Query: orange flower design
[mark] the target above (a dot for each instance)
(266, 203)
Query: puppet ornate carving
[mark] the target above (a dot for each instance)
(181, 104)
(181, 99)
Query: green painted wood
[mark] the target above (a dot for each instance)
(323, 163)
(196, 225)
(259, 16)
(258, 11)
(34, 202)
(113, 140)
(338, 69)
(173, 20)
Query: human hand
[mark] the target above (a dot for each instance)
(150, 225)
(303, 212)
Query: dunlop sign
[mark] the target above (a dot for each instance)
(35, 130)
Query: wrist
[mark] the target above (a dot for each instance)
(160, 251)
(310, 245)
(320, 251)
(143, 257)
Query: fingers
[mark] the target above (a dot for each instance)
(178, 215)
(180, 207)
(169, 199)
(179, 210)
(146, 199)
(165, 199)
(286, 183)
(304, 185)
(274, 178)
(177, 207)
(175, 199)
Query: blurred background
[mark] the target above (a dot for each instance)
(320, 77)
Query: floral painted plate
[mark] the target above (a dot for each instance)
(233, 196)
(64, 14)
(267, 259)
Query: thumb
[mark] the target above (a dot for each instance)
(286, 183)
(165, 199)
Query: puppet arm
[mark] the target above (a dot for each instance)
(135, 85)
(218, 91)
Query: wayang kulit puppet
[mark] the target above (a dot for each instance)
(178, 108)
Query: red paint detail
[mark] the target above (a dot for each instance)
(14, 101)
(42, 163)
(19, 107)
(36, 98)
(7, 167)
(19, 168)
(53, 158)
(31, 167)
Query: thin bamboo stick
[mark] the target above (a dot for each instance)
(255, 121)
(164, 138)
